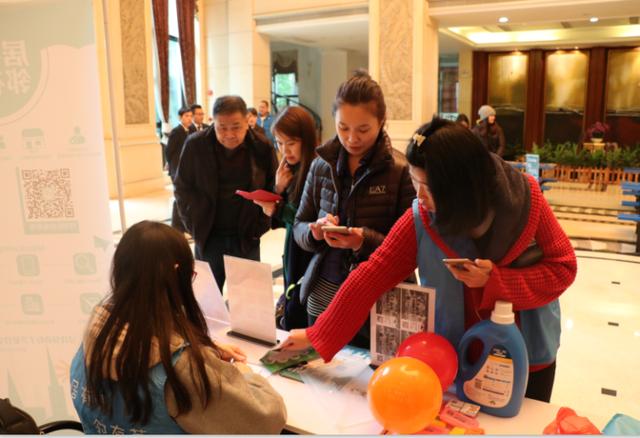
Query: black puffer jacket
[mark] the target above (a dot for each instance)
(376, 201)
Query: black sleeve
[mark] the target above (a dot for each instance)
(174, 147)
(502, 143)
(308, 211)
(256, 223)
(194, 206)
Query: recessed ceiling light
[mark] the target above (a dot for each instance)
(503, 19)
(594, 19)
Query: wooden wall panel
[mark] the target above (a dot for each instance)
(596, 84)
(534, 112)
(479, 83)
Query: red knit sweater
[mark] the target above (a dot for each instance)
(396, 258)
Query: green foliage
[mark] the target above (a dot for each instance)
(570, 154)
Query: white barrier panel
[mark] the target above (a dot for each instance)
(55, 231)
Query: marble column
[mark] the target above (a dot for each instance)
(403, 57)
(333, 73)
(130, 31)
(465, 79)
(238, 57)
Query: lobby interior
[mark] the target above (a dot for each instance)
(550, 68)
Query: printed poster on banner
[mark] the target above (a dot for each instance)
(56, 241)
(404, 310)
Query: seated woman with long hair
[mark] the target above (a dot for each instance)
(146, 363)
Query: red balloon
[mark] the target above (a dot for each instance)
(434, 350)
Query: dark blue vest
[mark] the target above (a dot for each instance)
(96, 422)
(540, 327)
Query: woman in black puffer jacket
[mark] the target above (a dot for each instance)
(358, 180)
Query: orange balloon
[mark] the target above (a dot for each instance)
(404, 395)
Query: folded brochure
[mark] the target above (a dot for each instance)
(259, 195)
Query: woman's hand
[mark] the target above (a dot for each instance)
(316, 227)
(473, 275)
(230, 352)
(297, 340)
(268, 208)
(284, 176)
(353, 240)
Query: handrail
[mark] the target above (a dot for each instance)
(288, 98)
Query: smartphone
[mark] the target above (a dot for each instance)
(336, 229)
(458, 263)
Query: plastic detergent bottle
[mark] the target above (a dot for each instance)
(498, 380)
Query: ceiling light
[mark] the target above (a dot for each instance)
(594, 19)
(503, 19)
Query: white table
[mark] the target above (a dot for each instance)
(304, 416)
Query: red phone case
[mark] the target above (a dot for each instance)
(259, 195)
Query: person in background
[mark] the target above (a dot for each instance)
(471, 204)
(176, 140)
(489, 132)
(265, 120)
(146, 364)
(295, 134)
(463, 120)
(252, 119)
(358, 180)
(213, 165)
(198, 119)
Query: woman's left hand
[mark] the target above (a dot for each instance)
(473, 275)
(230, 352)
(284, 176)
(353, 240)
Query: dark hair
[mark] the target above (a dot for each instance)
(184, 110)
(460, 173)
(266, 102)
(229, 105)
(462, 118)
(360, 89)
(296, 122)
(253, 111)
(151, 298)
(195, 106)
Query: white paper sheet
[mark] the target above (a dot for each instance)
(341, 385)
(207, 293)
(250, 291)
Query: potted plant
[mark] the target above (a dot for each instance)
(597, 131)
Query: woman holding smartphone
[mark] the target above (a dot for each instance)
(146, 363)
(471, 204)
(358, 181)
(295, 134)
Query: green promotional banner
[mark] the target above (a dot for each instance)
(56, 242)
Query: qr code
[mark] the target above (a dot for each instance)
(47, 194)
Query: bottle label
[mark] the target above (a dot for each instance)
(493, 385)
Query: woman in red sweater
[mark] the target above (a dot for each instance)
(470, 204)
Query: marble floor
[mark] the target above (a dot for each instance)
(600, 352)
